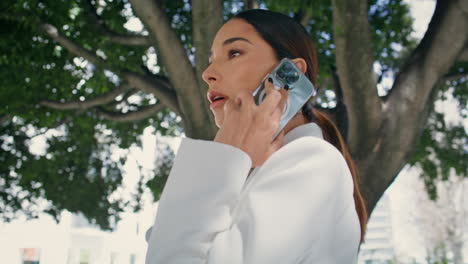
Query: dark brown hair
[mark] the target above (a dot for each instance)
(290, 39)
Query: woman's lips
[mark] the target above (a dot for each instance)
(218, 103)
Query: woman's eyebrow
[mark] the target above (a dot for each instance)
(231, 40)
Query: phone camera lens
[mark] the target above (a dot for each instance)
(287, 67)
(280, 74)
(292, 78)
(284, 70)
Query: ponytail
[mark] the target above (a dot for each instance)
(333, 136)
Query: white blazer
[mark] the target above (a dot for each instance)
(297, 207)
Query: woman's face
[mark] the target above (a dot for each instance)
(239, 60)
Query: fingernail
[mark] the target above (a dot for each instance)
(270, 79)
(286, 87)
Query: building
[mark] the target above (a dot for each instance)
(378, 247)
(73, 241)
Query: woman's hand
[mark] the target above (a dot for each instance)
(250, 127)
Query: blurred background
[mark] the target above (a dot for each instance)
(97, 94)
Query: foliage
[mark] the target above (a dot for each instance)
(163, 168)
(77, 171)
(442, 147)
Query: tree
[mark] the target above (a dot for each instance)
(74, 67)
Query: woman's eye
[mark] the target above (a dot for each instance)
(231, 53)
(234, 53)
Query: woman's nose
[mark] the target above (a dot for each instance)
(210, 75)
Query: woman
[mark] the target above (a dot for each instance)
(300, 203)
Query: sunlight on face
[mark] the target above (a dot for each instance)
(239, 60)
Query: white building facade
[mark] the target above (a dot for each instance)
(379, 246)
(73, 241)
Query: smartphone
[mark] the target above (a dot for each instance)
(287, 76)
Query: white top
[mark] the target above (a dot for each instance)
(297, 207)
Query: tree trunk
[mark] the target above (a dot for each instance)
(207, 18)
(195, 113)
(383, 133)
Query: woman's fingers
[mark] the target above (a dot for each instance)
(277, 113)
(284, 98)
(268, 112)
(272, 99)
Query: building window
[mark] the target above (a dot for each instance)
(84, 256)
(113, 258)
(30, 255)
(132, 258)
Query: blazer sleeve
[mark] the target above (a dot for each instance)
(206, 216)
(195, 206)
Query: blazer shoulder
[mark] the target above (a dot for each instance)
(308, 161)
(308, 149)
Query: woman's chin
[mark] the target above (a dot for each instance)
(218, 118)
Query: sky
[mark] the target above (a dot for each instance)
(422, 11)
(401, 194)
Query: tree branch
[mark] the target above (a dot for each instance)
(441, 46)
(463, 56)
(119, 38)
(75, 48)
(140, 114)
(250, 4)
(455, 76)
(303, 17)
(125, 96)
(157, 86)
(353, 47)
(99, 100)
(412, 97)
(207, 18)
(4, 118)
(180, 70)
(179, 67)
(306, 19)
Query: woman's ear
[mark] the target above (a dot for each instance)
(301, 64)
